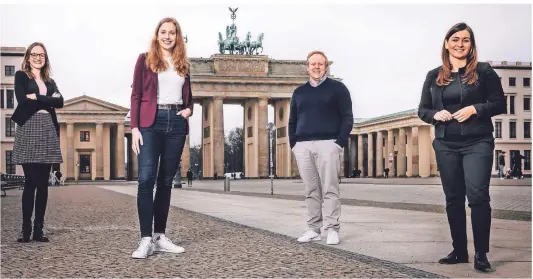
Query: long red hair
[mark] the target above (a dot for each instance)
(154, 59)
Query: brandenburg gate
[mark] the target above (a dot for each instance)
(254, 82)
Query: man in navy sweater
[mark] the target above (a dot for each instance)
(320, 122)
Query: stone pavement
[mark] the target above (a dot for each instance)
(514, 198)
(432, 181)
(413, 238)
(94, 231)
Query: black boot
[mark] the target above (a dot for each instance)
(39, 234)
(24, 236)
(481, 262)
(455, 258)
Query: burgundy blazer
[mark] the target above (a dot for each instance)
(144, 95)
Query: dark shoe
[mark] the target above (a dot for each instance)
(455, 258)
(24, 236)
(40, 236)
(481, 262)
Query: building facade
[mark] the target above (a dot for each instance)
(512, 131)
(11, 59)
(409, 139)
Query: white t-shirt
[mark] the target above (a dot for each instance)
(169, 86)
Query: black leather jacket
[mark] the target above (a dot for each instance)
(486, 95)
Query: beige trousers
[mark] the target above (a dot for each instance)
(319, 167)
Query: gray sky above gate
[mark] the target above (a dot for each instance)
(381, 51)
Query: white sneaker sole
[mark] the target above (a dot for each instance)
(141, 257)
(318, 238)
(168, 251)
(332, 243)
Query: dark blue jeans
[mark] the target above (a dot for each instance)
(162, 147)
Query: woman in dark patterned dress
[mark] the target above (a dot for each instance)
(36, 145)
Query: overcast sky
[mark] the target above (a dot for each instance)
(381, 51)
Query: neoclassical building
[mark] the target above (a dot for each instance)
(92, 139)
(409, 139)
(401, 134)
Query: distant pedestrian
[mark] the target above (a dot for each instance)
(501, 165)
(189, 178)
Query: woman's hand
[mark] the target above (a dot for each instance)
(137, 139)
(31, 96)
(443, 116)
(463, 114)
(185, 113)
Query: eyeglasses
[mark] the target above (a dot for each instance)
(36, 55)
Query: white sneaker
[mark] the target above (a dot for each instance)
(163, 244)
(146, 248)
(333, 237)
(309, 236)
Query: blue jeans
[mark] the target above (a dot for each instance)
(162, 147)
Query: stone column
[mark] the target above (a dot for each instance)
(433, 158)
(370, 155)
(360, 153)
(99, 140)
(185, 158)
(424, 150)
(119, 170)
(71, 161)
(218, 135)
(414, 152)
(135, 166)
(390, 149)
(353, 153)
(262, 137)
(379, 154)
(401, 153)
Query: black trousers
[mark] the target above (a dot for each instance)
(465, 169)
(36, 178)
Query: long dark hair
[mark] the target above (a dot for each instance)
(445, 74)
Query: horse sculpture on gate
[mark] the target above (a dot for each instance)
(255, 45)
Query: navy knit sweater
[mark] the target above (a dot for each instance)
(321, 113)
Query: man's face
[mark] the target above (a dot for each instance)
(316, 66)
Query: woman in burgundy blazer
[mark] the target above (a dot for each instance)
(161, 103)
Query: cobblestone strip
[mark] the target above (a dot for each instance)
(94, 231)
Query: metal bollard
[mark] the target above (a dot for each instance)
(227, 184)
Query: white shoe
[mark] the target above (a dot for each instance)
(146, 248)
(163, 244)
(309, 236)
(333, 237)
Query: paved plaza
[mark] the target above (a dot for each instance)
(94, 229)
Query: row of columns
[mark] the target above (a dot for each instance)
(256, 147)
(70, 160)
(411, 145)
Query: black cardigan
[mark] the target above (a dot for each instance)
(486, 95)
(26, 108)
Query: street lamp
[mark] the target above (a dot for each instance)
(270, 128)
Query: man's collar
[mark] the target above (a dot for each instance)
(322, 79)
